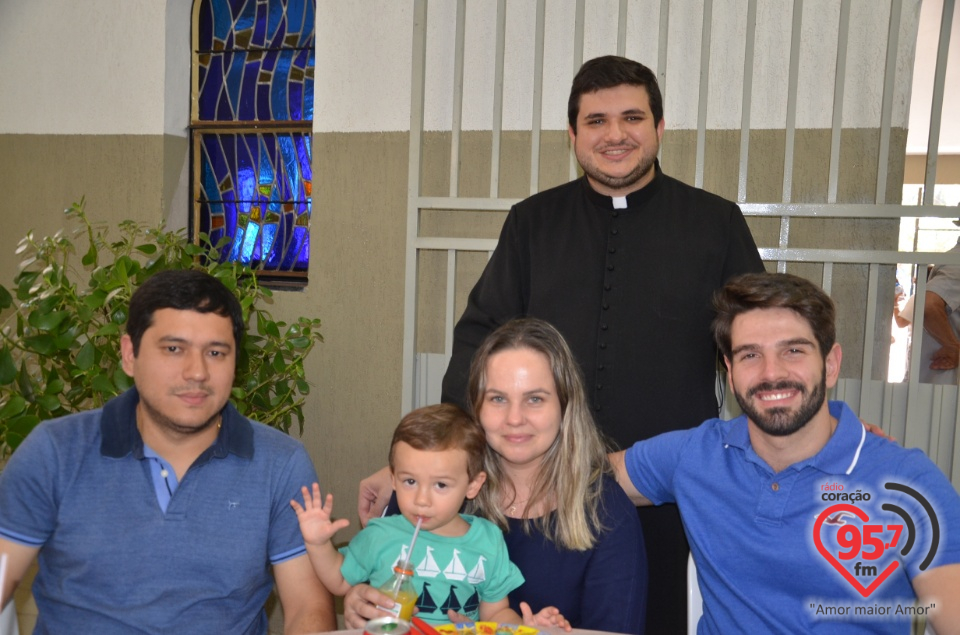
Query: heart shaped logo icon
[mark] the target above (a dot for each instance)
(829, 557)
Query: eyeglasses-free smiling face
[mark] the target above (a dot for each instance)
(777, 371)
(520, 413)
(432, 485)
(616, 141)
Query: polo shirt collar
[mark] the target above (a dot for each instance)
(120, 437)
(838, 456)
(634, 199)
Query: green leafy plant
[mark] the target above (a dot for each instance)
(61, 342)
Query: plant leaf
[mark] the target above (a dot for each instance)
(46, 321)
(49, 402)
(15, 406)
(90, 258)
(8, 370)
(43, 344)
(86, 356)
(103, 385)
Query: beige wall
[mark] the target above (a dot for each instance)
(359, 234)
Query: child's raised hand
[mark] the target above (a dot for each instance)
(314, 516)
(549, 616)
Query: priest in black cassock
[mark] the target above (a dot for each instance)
(624, 262)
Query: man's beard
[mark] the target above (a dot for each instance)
(781, 422)
(620, 182)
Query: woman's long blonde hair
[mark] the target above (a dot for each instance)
(571, 470)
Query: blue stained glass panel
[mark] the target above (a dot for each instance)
(256, 189)
(254, 63)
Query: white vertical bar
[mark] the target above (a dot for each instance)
(704, 89)
(917, 321)
(936, 415)
(843, 34)
(414, 168)
(577, 62)
(936, 108)
(449, 311)
(790, 125)
(791, 122)
(457, 119)
(536, 123)
(827, 277)
(622, 29)
(784, 241)
(886, 108)
(869, 331)
(747, 100)
(662, 48)
(497, 127)
(955, 468)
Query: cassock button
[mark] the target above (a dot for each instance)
(606, 287)
(616, 213)
(599, 386)
(603, 344)
(614, 231)
(600, 367)
(609, 267)
(597, 407)
(612, 250)
(603, 327)
(605, 306)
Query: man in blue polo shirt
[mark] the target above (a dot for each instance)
(166, 511)
(798, 520)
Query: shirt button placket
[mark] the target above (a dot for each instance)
(604, 332)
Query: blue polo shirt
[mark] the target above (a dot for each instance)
(113, 561)
(753, 532)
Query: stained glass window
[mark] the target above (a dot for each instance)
(252, 122)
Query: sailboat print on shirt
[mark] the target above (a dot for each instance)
(425, 602)
(472, 604)
(428, 567)
(452, 603)
(455, 570)
(477, 574)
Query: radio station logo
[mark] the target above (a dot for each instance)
(863, 549)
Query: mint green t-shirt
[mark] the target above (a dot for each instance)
(449, 572)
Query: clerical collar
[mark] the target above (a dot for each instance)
(633, 199)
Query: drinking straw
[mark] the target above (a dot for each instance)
(406, 564)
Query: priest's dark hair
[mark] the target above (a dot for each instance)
(611, 71)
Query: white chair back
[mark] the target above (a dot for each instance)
(8, 617)
(694, 599)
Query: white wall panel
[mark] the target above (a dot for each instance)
(104, 75)
(363, 58)
(643, 28)
(729, 29)
(818, 63)
(930, 14)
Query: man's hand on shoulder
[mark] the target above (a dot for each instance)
(375, 491)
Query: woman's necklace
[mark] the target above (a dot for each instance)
(513, 506)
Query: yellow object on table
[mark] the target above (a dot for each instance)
(486, 628)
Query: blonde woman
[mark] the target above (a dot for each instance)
(568, 525)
